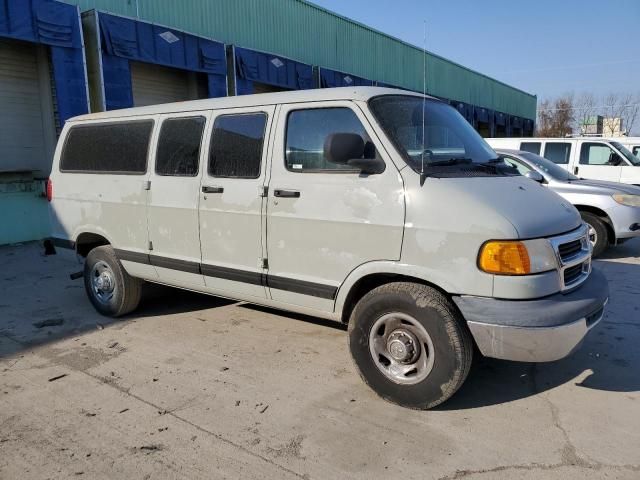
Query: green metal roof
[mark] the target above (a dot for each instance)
(308, 33)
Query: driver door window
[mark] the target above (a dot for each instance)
(599, 161)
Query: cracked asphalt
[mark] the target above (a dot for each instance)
(194, 387)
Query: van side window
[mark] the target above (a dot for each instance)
(598, 154)
(178, 151)
(236, 145)
(117, 148)
(307, 131)
(557, 152)
(533, 147)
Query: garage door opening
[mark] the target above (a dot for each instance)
(27, 125)
(154, 84)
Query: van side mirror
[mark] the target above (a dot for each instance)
(535, 176)
(349, 149)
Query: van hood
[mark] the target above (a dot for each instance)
(532, 209)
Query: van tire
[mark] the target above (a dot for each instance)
(421, 309)
(601, 232)
(126, 291)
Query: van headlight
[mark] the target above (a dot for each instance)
(628, 200)
(512, 257)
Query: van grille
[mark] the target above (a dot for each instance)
(570, 249)
(573, 251)
(572, 274)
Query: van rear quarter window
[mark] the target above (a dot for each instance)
(236, 145)
(118, 148)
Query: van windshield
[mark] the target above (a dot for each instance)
(627, 154)
(430, 131)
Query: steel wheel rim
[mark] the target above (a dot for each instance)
(593, 235)
(103, 283)
(401, 348)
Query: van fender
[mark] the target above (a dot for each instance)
(420, 273)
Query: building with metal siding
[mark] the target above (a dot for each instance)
(43, 82)
(209, 48)
(304, 32)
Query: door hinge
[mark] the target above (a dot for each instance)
(265, 263)
(150, 245)
(263, 191)
(147, 185)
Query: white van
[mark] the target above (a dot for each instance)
(329, 202)
(594, 158)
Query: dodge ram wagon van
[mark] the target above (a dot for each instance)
(375, 207)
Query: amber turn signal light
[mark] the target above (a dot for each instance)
(505, 258)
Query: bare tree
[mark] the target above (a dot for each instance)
(556, 117)
(585, 107)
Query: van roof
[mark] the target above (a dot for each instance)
(312, 95)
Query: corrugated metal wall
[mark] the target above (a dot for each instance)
(310, 34)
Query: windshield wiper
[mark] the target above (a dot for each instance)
(451, 161)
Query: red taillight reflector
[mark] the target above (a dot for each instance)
(49, 189)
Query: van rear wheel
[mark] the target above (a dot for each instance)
(112, 291)
(410, 344)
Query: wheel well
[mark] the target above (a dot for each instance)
(603, 216)
(369, 282)
(88, 241)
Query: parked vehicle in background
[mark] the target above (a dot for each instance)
(587, 157)
(334, 203)
(612, 210)
(632, 144)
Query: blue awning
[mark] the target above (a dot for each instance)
(57, 25)
(253, 66)
(125, 39)
(334, 78)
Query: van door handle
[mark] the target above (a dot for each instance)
(206, 189)
(575, 170)
(286, 193)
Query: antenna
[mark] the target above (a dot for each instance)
(424, 96)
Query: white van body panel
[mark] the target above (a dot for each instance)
(339, 222)
(231, 221)
(100, 203)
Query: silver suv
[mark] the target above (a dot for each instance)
(610, 209)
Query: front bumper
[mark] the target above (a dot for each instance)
(541, 330)
(625, 221)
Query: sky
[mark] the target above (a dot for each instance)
(547, 48)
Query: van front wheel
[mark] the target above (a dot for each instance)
(112, 291)
(410, 344)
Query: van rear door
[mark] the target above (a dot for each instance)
(173, 197)
(232, 199)
(326, 219)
